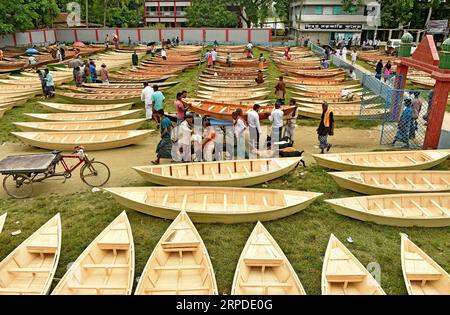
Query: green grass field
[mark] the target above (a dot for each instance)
(303, 236)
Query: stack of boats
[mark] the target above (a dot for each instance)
(94, 126)
(400, 189)
(312, 86)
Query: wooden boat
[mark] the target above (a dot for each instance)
(263, 269)
(90, 125)
(343, 274)
(315, 81)
(240, 173)
(239, 95)
(422, 275)
(229, 84)
(90, 140)
(126, 86)
(393, 182)
(427, 210)
(385, 160)
(97, 97)
(61, 107)
(2, 221)
(179, 264)
(106, 266)
(230, 89)
(214, 204)
(223, 111)
(30, 268)
(343, 112)
(133, 113)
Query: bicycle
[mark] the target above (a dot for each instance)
(24, 170)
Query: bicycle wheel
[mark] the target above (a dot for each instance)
(18, 186)
(95, 174)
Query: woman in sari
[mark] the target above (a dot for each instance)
(326, 128)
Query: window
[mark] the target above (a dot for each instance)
(337, 10)
(318, 10)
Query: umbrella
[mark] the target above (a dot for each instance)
(32, 51)
(78, 44)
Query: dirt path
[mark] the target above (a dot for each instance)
(121, 160)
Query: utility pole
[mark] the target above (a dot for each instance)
(87, 14)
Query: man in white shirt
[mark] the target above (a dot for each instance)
(239, 133)
(163, 54)
(146, 97)
(370, 42)
(184, 139)
(352, 74)
(250, 46)
(214, 57)
(276, 117)
(354, 55)
(32, 60)
(254, 128)
(344, 53)
(346, 95)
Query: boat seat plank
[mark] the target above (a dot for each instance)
(203, 288)
(180, 267)
(115, 239)
(265, 284)
(97, 287)
(29, 270)
(44, 243)
(19, 290)
(418, 269)
(105, 266)
(341, 268)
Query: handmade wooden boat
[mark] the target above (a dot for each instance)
(223, 111)
(29, 269)
(106, 266)
(179, 264)
(97, 97)
(61, 107)
(342, 112)
(230, 89)
(90, 125)
(90, 140)
(133, 113)
(422, 275)
(240, 173)
(343, 274)
(227, 96)
(427, 210)
(229, 84)
(316, 81)
(393, 182)
(263, 269)
(127, 86)
(2, 221)
(385, 160)
(214, 204)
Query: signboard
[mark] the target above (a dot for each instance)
(348, 27)
(437, 27)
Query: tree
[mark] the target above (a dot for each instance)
(253, 11)
(282, 8)
(395, 13)
(206, 13)
(351, 5)
(20, 15)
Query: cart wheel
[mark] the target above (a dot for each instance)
(19, 186)
(95, 174)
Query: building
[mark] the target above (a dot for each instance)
(170, 13)
(326, 21)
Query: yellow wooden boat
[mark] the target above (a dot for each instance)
(427, 210)
(236, 173)
(214, 204)
(133, 113)
(422, 275)
(60, 107)
(393, 182)
(263, 269)
(90, 140)
(383, 160)
(90, 125)
(343, 274)
(179, 264)
(30, 268)
(2, 221)
(106, 266)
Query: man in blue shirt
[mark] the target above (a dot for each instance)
(164, 148)
(49, 85)
(158, 102)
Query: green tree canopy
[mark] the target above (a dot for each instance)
(207, 13)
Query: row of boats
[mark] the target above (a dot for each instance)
(109, 121)
(180, 264)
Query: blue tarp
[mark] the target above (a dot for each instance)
(32, 51)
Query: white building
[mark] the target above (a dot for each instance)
(325, 20)
(170, 13)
